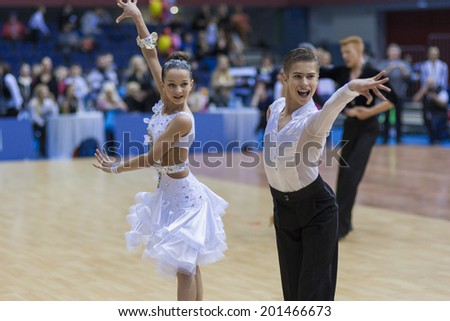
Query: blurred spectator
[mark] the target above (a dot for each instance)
(189, 45)
(435, 110)
(138, 72)
(245, 78)
(68, 16)
(326, 86)
(203, 49)
(47, 64)
(224, 18)
(222, 82)
(13, 29)
(178, 23)
(237, 48)
(279, 88)
(109, 98)
(238, 59)
(79, 83)
(88, 44)
(61, 74)
(46, 76)
(399, 72)
(267, 72)
(414, 79)
(111, 66)
(111, 104)
(369, 58)
(202, 18)
(68, 102)
(25, 83)
(102, 73)
(198, 99)
(212, 32)
(68, 41)
(240, 22)
(262, 99)
(42, 106)
(36, 70)
(92, 21)
(434, 68)
(222, 44)
(10, 98)
(37, 25)
(134, 98)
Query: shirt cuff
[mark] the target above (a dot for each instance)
(348, 92)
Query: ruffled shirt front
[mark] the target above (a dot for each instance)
(292, 154)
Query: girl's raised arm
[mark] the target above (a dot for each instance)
(145, 40)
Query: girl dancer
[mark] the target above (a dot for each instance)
(180, 224)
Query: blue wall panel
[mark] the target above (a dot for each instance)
(16, 139)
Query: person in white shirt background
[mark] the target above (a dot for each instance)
(434, 101)
(435, 69)
(434, 96)
(305, 209)
(37, 24)
(399, 72)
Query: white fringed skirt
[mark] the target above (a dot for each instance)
(179, 225)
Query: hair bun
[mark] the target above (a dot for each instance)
(178, 55)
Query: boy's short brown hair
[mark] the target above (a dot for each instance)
(299, 54)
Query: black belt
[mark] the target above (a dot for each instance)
(299, 195)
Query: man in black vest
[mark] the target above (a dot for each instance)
(361, 128)
(10, 98)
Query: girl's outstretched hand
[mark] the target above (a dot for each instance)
(130, 9)
(104, 162)
(376, 83)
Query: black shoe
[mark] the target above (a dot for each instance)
(343, 234)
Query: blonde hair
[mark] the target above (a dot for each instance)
(38, 100)
(353, 40)
(110, 87)
(133, 85)
(136, 61)
(40, 88)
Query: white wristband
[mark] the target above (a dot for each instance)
(114, 169)
(149, 42)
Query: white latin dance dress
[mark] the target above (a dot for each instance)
(180, 224)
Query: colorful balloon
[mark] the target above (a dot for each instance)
(164, 44)
(156, 8)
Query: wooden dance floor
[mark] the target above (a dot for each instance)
(62, 226)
